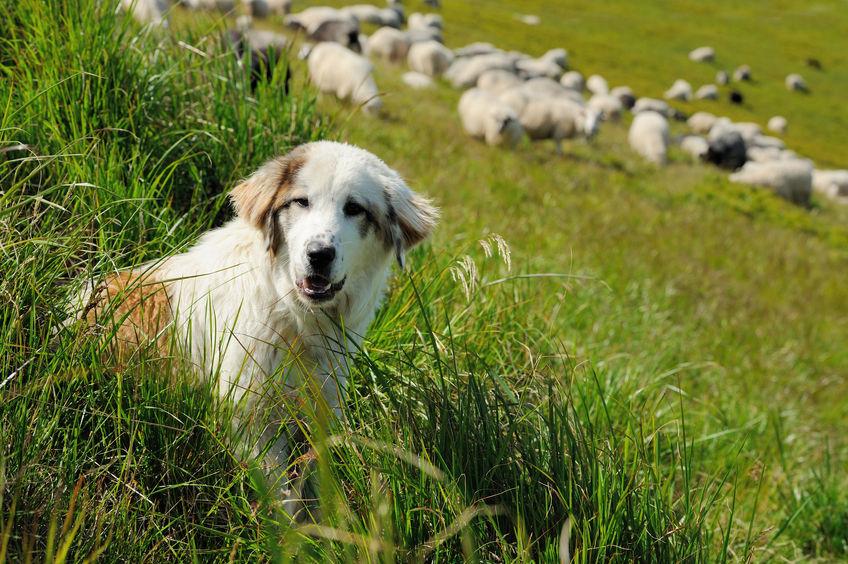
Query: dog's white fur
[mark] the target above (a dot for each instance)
(238, 301)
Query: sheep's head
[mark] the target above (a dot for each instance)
(589, 123)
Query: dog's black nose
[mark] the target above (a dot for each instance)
(320, 255)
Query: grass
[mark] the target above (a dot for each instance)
(673, 384)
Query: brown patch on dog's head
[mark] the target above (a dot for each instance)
(410, 217)
(258, 199)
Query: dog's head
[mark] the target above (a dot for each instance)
(333, 217)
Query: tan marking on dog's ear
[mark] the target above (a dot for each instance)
(135, 307)
(411, 217)
(264, 191)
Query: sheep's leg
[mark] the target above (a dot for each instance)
(558, 142)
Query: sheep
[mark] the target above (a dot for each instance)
(476, 49)
(790, 179)
(430, 58)
(465, 72)
(417, 80)
(701, 122)
(558, 56)
(311, 18)
(389, 44)
(726, 148)
(742, 73)
(695, 145)
(702, 55)
(625, 96)
(558, 119)
(547, 87)
(651, 105)
(265, 8)
(764, 141)
(147, 11)
(422, 34)
(497, 81)
(648, 136)
(384, 17)
(707, 92)
(337, 70)
(796, 82)
(608, 107)
(573, 80)
(722, 78)
(533, 68)
(418, 20)
(262, 49)
(210, 5)
(596, 84)
(765, 154)
(485, 117)
(831, 183)
(778, 124)
(528, 19)
(736, 97)
(680, 90)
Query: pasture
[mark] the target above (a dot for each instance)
(654, 355)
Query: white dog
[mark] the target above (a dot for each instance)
(280, 294)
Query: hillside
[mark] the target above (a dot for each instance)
(656, 354)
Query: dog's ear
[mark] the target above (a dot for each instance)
(411, 217)
(258, 198)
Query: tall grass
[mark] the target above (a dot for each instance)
(471, 430)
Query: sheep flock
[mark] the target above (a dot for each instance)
(510, 96)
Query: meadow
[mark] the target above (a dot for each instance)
(654, 356)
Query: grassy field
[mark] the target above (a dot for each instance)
(657, 354)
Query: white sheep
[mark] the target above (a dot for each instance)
(722, 77)
(702, 54)
(465, 71)
(707, 92)
(831, 183)
(557, 56)
(680, 90)
(701, 122)
(790, 179)
(534, 68)
(418, 20)
(608, 107)
(417, 80)
(695, 145)
(573, 80)
(765, 154)
(265, 8)
(651, 105)
(648, 136)
(388, 43)
(558, 119)
(334, 69)
(778, 124)
(475, 49)
(422, 34)
(796, 82)
(311, 19)
(485, 117)
(625, 96)
(742, 72)
(596, 84)
(367, 13)
(430, 58)
(497, 81)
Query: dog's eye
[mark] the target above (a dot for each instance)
(352, 208)
(302, 202)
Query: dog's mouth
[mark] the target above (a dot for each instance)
(319, 288)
